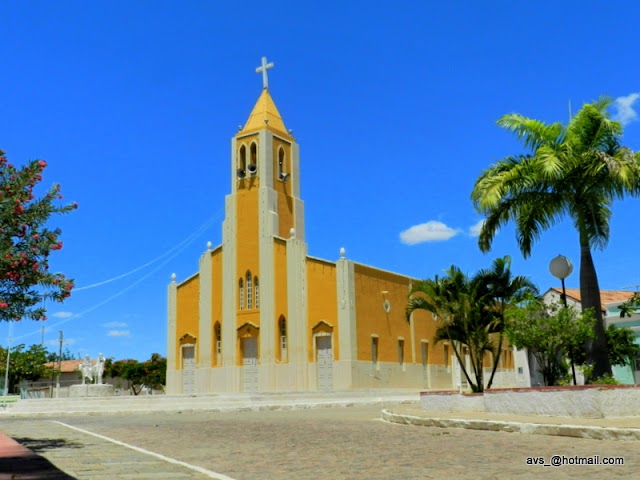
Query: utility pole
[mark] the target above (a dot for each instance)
(59, 366)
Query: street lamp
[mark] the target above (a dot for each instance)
(6, 372)
(561, 267)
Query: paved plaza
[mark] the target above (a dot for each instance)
(318, 443)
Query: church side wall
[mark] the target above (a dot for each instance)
(322, 304)
(380, 301)
(188, 313)
(372, 321)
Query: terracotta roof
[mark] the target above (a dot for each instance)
(606, 296)
(67, 366)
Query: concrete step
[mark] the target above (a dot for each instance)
(218, 402)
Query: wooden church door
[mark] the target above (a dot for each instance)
(188, 369)
(250, 364)
(324, 362)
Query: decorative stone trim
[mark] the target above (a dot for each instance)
(577, 431)
(585, 401)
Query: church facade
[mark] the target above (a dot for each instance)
(260, 314)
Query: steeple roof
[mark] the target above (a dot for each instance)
(265, 115)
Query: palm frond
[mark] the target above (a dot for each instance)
(532, 133)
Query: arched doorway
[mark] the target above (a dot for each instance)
(323, 346)
(188, 363)
(248, 336)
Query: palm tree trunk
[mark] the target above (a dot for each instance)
(597, 353)
(496, 360)
(474, 388)
(477, 366)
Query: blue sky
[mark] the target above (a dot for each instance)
(133, 105)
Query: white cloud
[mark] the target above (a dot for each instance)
(62, 314)
(431, 231)
(118, 333)
(474, 230)
(114, 324)
(624, 108)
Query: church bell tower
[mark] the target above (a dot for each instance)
(262, 212)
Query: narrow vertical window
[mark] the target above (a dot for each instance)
(217, 343)
(374, 352)
(425, 354)
(446, 355)
(249, 292)
(281, 166)
(282, 330)
(401, 351)
(256, 292)
(242, 161)
(241, 294)
(253, 159)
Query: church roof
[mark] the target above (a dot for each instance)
(66, 366)
(265, 115)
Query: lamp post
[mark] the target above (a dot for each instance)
(6, 372)
(561, 267)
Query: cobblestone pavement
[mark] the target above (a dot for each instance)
(324, 443)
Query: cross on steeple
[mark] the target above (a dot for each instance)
(263, 69)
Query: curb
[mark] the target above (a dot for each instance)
(576, 431)
(213, 408)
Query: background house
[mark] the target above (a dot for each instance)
(611, 301)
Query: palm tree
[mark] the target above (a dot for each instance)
(576, 170)
(460, 306)
(504, 289)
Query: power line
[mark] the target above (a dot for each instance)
(177, 250)
(186, 241)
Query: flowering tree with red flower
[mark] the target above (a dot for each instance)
(26, 242)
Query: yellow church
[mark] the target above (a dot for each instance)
(260, 314)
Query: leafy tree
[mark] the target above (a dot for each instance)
(66, 355)
(622, 346)
(549, 333)
(575, 170)
(155, 370)
(24, 364)
(631, 306)
(26, 242)
(151, 373)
